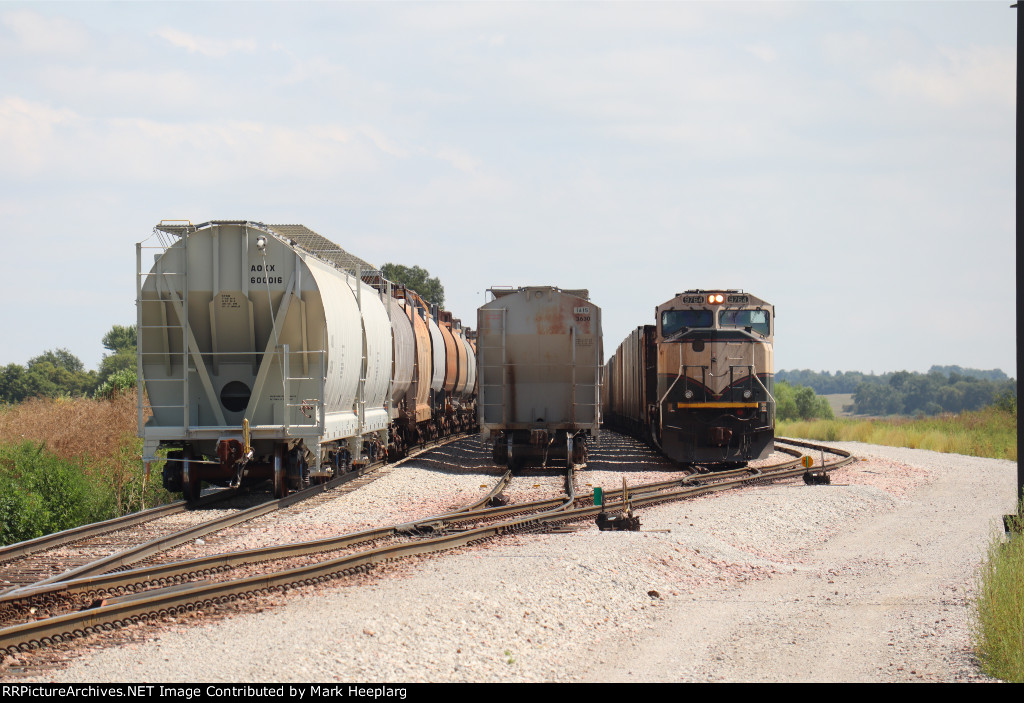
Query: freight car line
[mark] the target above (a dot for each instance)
(292, 377)
(189, 597)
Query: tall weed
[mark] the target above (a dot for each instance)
(95, 438)
(43, 493)
(999, 623)
(990, 432)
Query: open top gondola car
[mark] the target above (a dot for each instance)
(539, 359)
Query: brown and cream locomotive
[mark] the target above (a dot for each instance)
(698, 383)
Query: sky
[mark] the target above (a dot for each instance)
(853, 163)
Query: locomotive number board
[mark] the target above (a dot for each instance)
(733, 299)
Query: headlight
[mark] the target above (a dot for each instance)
(688, 394)
(748, 394)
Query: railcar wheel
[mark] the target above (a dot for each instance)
(172, 471)
(191, 485)
(499, 454)
(579, 452)
(280, 473)
(516, 460)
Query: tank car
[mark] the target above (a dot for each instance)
(698, 383)
(539, 359)
(435, 373)
(268, 352)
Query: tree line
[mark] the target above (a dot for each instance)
(794, 402)
(942, 389)
(58, 372)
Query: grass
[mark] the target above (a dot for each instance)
(69, 461)
(999, 624)
(989, 432)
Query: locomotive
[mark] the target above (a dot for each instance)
(699, 383)
(540, 361)
(268, 352)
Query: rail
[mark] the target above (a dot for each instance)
(191, 596)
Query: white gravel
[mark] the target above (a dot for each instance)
(868, 579)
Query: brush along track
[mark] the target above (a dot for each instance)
(445, 532)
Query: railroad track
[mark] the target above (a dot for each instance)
(114, 600)
(44, 558)
(142, 537)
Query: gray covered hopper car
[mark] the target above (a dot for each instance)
(540, 358)
(267, 352)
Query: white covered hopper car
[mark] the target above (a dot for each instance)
(266, 353)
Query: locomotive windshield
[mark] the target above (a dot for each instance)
(674, 320)
(756, 320)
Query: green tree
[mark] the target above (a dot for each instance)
(41, 493)
(57, 372)
(121, 341)
(418, 279)
(785, 401)
(800, 403)
(878, 399)
(59, 358)
(1007, 402)
(13, 384)
(119, 382)
(121, 338)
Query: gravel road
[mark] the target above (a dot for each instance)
(868, 579)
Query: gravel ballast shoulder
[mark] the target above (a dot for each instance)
(868, 579)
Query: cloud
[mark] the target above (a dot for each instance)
(763, 51)
(26, 131)
(100, 90)
(958, 78)
(67, 145)
(458, 158)
(214, 47)
(40, 34)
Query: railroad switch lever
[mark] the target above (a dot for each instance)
(817, 478)
(625, 521)
(618, 522)
(497, 501)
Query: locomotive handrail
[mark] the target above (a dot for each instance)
(768, 392)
